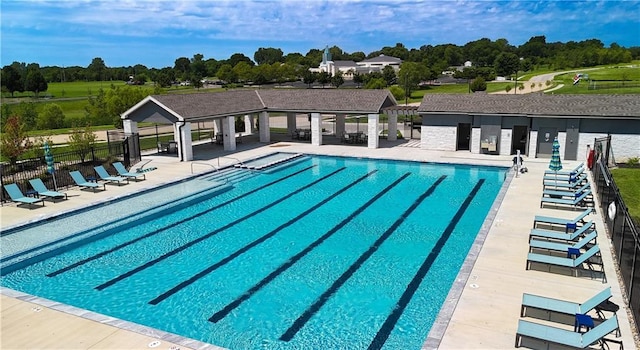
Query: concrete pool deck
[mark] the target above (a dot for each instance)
(484, 316)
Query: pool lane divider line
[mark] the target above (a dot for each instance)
(256, 242)
(294, 259)
(391, 321)
(154, 232)
(214, 232)
(338, 283)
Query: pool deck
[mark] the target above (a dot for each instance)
(483, 307)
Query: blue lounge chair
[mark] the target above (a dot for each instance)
(567, 183)
(104, 176)
(562, 306)
(585, 229)
(577, 170)
(83, 183)
(548, 220)
(568, 192)
(43, 191)
(567, 337)
(573, 262)
(122, 171)
(563, 247)
(16, 196)
(580, 199)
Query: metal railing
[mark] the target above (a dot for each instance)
(203, 163)
(624, 232)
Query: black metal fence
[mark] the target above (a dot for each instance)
(623, 231)
(126, 151)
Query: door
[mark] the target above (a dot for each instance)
(545, 141)
(571, 147)
(464, 135)
(519, 140)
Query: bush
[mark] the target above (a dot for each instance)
(478, 84)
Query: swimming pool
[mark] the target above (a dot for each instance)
(323, 252)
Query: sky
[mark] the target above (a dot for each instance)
(156, 33)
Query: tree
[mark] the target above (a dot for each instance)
(35, 81)
(198, 66)
(12, 80)
(323, 78)
(28, 115)
(81, 141)
(237, 58)
(14, 139)
(309, 77)
(337, 79)
(376, 83)
(182, 67)
(507, 63)
(358, 79)
(389, 75)
(226, 74)
(268, 55)
(243, 71)
(97, 69)
(478, 84)
(51, 117)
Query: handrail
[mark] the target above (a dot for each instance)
(236, 159)
(203, 163)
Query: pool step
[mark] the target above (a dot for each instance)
(228, 175)
(270, 164)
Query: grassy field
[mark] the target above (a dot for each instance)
(627, 180)
(601, 77)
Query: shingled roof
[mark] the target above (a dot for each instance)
(199, 106)
(585, 106)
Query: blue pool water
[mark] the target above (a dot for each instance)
(321, 252)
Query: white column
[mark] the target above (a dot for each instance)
(248, 124)
(316, 129)
(185, 145)
(340, 124)
(217, 126)
(392, 125)
(229, 133)
(373, 127)
(474, 142)
(130, 127)
(291, 123)
(265, 133)
(533, 144)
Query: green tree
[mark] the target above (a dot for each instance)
(51, 117)
(96, 110)
(507, 63)
(389, 75)
(226, 74)
(397, 92)
(243, 71)
(81, 141)
(309, 77)
(324, 78)
(358, 79)
(35, 81)
(268, 55)
(97, 69)
(14, 139)
(28, 114)
(12, 80)
(478, 84)
(337, 79)
(198, 66)
(182, 67)
(376, 83)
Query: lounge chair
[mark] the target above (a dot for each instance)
(568, 192)
(43, 191)
(573, 262)
(579, 200)
(580, 219)
(16, 196)
(577, 170)
(83, 183)
(567, 337)
(568, 183)
(585, 229)
(122, 171)
(563, 247)
(104, 176)
(562, 306)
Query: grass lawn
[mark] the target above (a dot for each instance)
(603, 76)
(628, 181)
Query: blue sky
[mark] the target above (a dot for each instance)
(155, 33)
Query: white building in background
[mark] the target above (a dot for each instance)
(348, 68)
